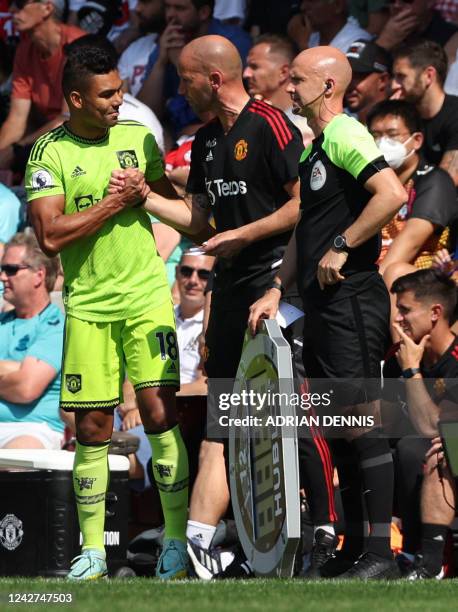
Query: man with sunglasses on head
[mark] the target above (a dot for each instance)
(37, 102)
(31, 337)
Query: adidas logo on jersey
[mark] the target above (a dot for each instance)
(209, 156)
(172, 369)
(77, 172)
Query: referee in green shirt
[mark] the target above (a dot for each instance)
(348, 192)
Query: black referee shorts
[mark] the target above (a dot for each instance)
(347, 339)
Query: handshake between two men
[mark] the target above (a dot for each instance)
(192, 219)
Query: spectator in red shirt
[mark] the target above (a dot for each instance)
(37, 103)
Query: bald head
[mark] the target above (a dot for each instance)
(319, 78)
(207, 54)
(210, 70)
(328, 64)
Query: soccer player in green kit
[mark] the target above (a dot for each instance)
(117, 299)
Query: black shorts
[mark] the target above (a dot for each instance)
(225, 335)
(224, 341)
(347, 338)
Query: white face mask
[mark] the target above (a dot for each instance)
(394, 152)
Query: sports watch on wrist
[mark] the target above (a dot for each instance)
(410, 372)
(279, 286)
(340, 243)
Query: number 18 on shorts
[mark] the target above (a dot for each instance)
(96, 356)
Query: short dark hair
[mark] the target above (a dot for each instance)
(200, 3)
(278, 44)
(424, 53)
(397, 108)
(429, 286)
(87, 56)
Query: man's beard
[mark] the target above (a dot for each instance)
(155, 24)
(417, 92)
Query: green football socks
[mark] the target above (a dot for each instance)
(171, 473)
(90, 482)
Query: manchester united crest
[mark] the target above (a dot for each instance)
(241, 150)
(85, 483)
(127, 159)
(73, 382)
(11, 532)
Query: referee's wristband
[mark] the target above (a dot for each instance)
(279, 286)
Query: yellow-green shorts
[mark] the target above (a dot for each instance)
(96, 356)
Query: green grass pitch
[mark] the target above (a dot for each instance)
(147, 595)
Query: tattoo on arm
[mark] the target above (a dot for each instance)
(449, 163)
(201, 201)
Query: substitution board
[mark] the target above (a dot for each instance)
(263, 459)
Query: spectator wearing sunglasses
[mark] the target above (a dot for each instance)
(10, 209)
(31, 338)
(37, 103)
(192, 275)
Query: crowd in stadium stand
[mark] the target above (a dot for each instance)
(404, 89)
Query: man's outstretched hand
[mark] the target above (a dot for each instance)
(226, 244)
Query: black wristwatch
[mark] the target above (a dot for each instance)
(279, 286)
(340, 243)
(410, 372)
